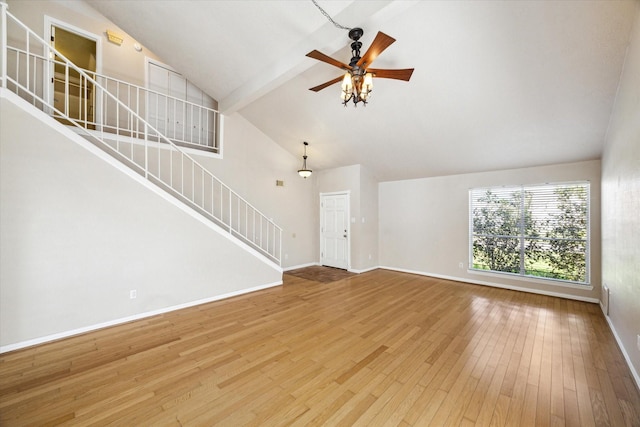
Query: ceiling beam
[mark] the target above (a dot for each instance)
(266, 79)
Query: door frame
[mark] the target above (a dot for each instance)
(48, 23)
(346, 193)
(218, 130)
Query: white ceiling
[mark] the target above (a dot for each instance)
(497, 84)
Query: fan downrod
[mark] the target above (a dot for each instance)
(355, 34)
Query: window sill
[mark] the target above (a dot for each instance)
(529, 279)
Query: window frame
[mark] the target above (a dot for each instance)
(522, 235)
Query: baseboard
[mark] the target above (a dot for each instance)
(634, 373)
(495, 285)
(79, 331)
(351, 270)
(311, 264)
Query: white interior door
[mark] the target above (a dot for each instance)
(165, 115)
(334, 230)
(178, 120)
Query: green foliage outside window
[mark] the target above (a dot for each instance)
(532, 231)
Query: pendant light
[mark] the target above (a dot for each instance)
(304, 172)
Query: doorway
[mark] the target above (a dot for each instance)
(334, 230)
(72, 94)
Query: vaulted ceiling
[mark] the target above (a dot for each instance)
(497, 84)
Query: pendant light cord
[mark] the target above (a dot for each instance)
(342, 27)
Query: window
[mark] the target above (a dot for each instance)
(534, 231)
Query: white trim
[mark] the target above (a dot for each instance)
(311, 264)
(364, 270)
(67, 334)
(522, 188)
(495, 285)
(220, 134)
(73, 136)
(634, 373)
(141, 142)
(148, 60)
(50, 21)
(531, 279)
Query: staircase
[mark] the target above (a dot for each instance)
(115, 116)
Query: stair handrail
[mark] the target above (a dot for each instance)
(135, 87)
(274, 255)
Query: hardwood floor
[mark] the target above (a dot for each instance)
(380, 348)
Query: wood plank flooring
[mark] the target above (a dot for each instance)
(377, 349)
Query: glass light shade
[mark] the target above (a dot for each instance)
(367, 87)
(368, 81)
(305, 173)
(347, 87)
(347, 83)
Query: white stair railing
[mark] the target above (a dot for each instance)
(185, 123)
(28, 69)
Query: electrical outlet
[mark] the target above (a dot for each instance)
(638, 342)
(461, 265)
(133, 294)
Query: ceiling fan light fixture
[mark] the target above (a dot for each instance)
(357, 82)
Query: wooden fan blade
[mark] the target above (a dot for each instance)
(327, 84)
(404, 74)
(380, 43)
(329, 60)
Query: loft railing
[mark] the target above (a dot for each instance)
(185, 123)
(29, 67)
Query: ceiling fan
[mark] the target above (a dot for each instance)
(357, 82)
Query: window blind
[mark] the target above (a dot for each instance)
(538, 231)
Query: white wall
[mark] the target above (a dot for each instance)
(78, 234)
(344, 179)
(121, 62)
(621, 206)
(424, 225)
(365, 255)
(251, 164)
